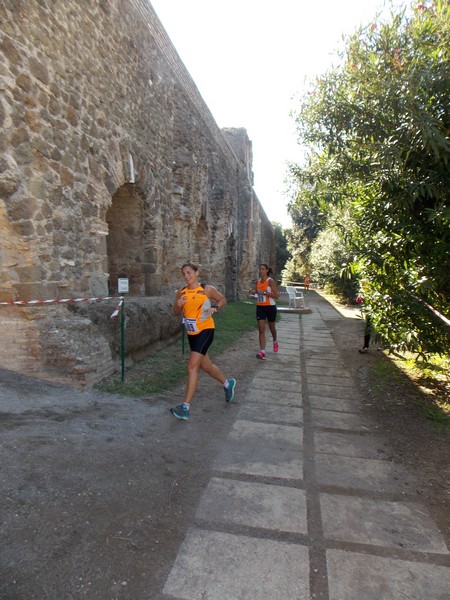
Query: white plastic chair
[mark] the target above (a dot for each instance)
(296, 299)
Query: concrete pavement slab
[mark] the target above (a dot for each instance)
(289, 436)
(280, 385)
(288, 359)
(292, 346)
(317, 328)
(269, 396)
(324, 354)
(288, 345)
(263, 449)
(405, 525)
(321, 343)
(282, 371)
(272, 413)
(330, 371)
(289, 338)
(274, 362)
(363, 474)
(351, 444)
(354, 576)
(251, 504)
(327, 378)
(339, 420)
(287, 352)
(287, 342)
(336, 404)
(328, 312)
(220, 566)
(323, 362)
(286, 375)
(317, 389)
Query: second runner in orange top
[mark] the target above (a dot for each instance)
(266, 310)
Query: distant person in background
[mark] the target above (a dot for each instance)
(366, 317)
(266, 292)
(306, 282)
(195, 302)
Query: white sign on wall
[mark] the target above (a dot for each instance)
(122, 285)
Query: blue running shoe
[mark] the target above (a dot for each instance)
(180, 412)
(229, 391)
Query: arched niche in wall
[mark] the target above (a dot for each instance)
(124, 242)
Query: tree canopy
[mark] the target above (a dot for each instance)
(377, 130)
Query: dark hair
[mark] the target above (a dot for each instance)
(269, 269)
(189, 264)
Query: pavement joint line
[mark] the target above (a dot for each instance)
(297, 484)
(318, 578)
(256, 532)
(398, 553)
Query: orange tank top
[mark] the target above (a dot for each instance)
(195, 310)
(263, 300)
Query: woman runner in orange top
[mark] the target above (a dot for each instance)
(266, 309)
(194, 302)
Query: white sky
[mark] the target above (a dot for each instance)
(251, 58)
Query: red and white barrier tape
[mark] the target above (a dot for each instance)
(64, 301)
(117, 311)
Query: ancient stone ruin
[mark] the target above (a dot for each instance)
(111, 167)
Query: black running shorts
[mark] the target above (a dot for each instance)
(200, 342)
(266, 312)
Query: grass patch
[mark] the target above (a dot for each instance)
(432, 376)
(167, 367)
(151, 375)
(237, 318)
(385, 380)
(424, 383)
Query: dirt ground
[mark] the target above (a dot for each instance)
(98, 490)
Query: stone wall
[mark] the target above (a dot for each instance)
(111, 165)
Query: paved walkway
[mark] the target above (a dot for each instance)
(304, 502)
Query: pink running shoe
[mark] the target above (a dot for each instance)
(275, 347)
(261, 355)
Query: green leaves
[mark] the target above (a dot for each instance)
(377, 130)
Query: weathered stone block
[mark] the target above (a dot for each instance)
(24, 228)
(38, 70)
(9, 176)
(10, 51)
(19, 136)
(22, 208)
(35, 291)
(152, 283)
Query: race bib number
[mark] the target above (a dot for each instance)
(261, 298)
(191, 325)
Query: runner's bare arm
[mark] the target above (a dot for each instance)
(216, 296)
(274, 293)
(180, 299)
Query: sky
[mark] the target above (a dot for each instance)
(252, 59)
